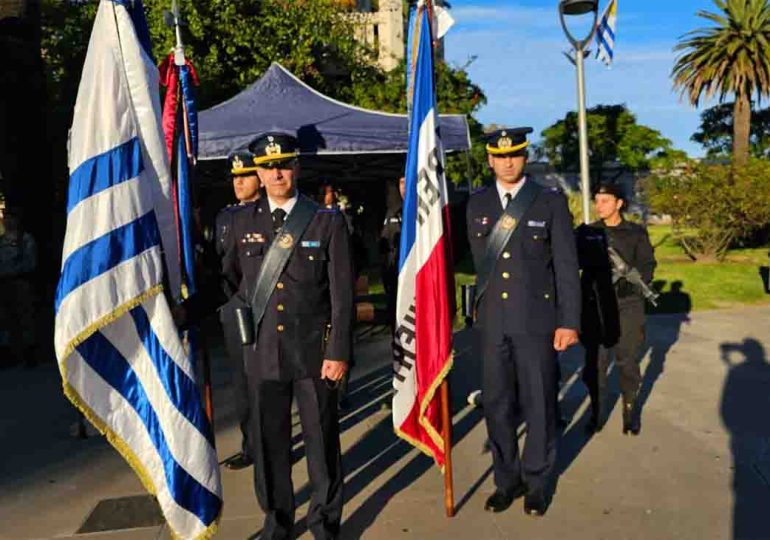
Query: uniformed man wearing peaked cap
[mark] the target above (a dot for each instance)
(246, 188)
(528, 309)
(293, 260)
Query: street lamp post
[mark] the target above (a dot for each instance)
(570, 8)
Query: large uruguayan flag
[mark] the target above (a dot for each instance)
(120, 356)
(605, 33)
(423, 336)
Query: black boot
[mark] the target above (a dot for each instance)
(630, 420)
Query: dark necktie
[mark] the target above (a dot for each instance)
(508, 199)
(279, 215)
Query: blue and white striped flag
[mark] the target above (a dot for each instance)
(605, 33)
(121, 359)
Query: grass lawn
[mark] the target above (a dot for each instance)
(709, 285)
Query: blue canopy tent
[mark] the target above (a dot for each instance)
(326, 127)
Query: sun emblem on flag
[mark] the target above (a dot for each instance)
(273, 148)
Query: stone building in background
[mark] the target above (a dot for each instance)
(380, 24)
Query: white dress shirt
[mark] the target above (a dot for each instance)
(502, 191)
(286, 207)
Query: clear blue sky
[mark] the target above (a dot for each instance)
(528, 81)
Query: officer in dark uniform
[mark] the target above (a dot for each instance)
(302, 343)
(246, 188)
(632, 243)
(390, 248)
(529, 310)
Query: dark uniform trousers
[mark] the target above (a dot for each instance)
(532, 290)
(519, 382)
(389, 246)
(626, 351)
(232, 341)
(308, 318)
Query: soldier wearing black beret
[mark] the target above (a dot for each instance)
(523, 249)
(632, 244)
(301, 339)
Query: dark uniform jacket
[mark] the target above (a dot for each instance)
(631, 241)
(534, 287)
(222, 231)
(309, 314)
(390, 239)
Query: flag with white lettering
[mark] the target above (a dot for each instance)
(425, 305)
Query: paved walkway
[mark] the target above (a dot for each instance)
(699, 470)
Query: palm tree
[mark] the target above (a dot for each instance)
(732, 57)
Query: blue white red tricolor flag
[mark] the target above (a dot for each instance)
(425, 305)
(605, 33)
(120, 356)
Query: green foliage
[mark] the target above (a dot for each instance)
(232, 42)
(711, 205)
(715, 132)
(613, 136)
(455, 94)
(729, 58)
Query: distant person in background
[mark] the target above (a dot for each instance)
(390, 245)
(18, 262)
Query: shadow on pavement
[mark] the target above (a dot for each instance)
(379, 449)
(662, 332)
(744, 411)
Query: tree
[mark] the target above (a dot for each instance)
(716, 127)
(232, 42)
(729, 58)
(614, 136)
(711, 205)
(455, 94)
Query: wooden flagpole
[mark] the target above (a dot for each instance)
(446, 422)
(446, 415)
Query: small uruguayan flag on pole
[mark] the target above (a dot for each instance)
(605, 33)
(120, 356)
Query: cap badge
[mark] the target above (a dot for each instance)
(237, 163)
(504, 141)
(273, 148)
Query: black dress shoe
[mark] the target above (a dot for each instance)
(595, 424)
(534, 503)
(501, 500)
(239, 461)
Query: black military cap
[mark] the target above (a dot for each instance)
(241, 162)
(273, 147)
(608, 188)
(508, 141)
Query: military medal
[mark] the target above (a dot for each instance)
(508, 222)
(285, 241)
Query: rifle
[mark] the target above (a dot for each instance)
(621, 269)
